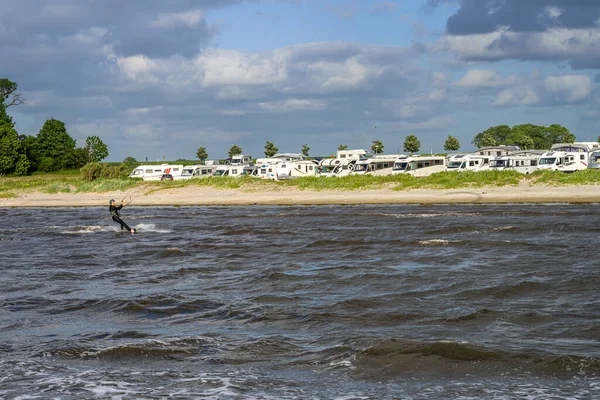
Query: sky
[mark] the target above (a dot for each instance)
(158, 79)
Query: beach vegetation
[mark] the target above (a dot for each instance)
(342, 147)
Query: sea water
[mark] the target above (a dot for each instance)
(312, 302)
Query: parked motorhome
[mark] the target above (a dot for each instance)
(524, 162)
(419, 165)
(356, 154)
(241, 159)
(290, 156)
(380, 164)
(154, 172)
(562, 161)
(497, 151)
(336, 166)
(468, 162)
(296, 169)
(197, 171)
(594, 159)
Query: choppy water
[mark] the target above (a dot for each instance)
(328, 302)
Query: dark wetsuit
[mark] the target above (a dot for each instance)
(114, 211)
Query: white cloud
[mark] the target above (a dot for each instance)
(291, 105)
(553, 44)
(191, 19)
(484, 78)
(551, 90)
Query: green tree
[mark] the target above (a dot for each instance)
(377, 147)
(234, 150)
(270, 149)
(305, 149)
(95, 148)
(76, 159)
(129, 160)
(343, 147)
(495, 134)
(487, 140)
(411, 144)
(9, 96)
(10, 147)
(521, 139)
(559, 134)
(451, 144)
(54, 144)
(202, 154)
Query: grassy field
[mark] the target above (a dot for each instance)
(71, 182)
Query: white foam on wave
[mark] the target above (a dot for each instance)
(84, 230)
(423, 215)
(437, 242)
(151, 228)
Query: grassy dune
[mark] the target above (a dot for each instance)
(71, 182)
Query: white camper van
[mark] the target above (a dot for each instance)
(197, 171)
(154, 172)
(419, 165)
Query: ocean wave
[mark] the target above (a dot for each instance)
(393, 357)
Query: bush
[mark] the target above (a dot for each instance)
(94, 170)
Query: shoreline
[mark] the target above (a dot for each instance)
(206, 196)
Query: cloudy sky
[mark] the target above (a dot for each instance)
(155, 78)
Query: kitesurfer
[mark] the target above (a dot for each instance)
(114, 212)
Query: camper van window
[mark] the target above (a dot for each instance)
(157, 170)
(148, 171)
(310, 167)
(234, 171)
(342, 156)
(582, 157)
(175, 169)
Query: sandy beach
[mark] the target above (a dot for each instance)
(191, 196)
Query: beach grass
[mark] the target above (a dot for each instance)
(556, 178)
(73, 183)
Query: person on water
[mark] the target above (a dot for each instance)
(114, 211)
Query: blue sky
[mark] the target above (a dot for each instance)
(159, 79)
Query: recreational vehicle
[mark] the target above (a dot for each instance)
(380, 164)
(296, 169)
(197, 171)
(241, 159)
(562, 161)
(419, 165)
(594, 159)
(524, 162)
(154, 172)
(468, 162)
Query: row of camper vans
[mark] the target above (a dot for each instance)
(565, 157)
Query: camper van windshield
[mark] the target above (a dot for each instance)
(187, 171)
(400, 166)
(360, 167)
(454, 164)
(547, 160)
(219, 172)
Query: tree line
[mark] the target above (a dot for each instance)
(52, 149)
